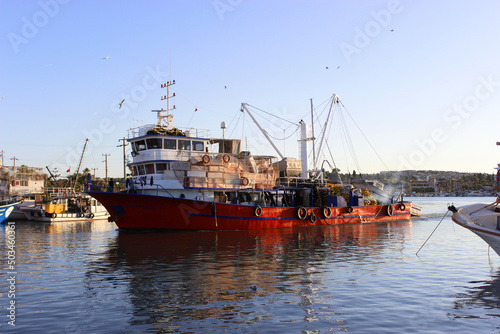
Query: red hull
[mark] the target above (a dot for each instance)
(132, 211)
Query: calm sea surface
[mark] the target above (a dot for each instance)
(92, 278)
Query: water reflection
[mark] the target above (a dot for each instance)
(480, 295)
(214, 279)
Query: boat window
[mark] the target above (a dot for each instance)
(142, 171)
(169, 144)
(198, 146)
(134, 170)
(150, 169)
(184, 145)
(160, 168)
(140, 145)
(153, 143)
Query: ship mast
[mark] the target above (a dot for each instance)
(169, 117)
(325, 131)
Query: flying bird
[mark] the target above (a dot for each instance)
(338, 67)
(105, 58)
(3, 97)
(392, 29)
(121, 104)
(327, 67)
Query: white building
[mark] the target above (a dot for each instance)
(21, 180)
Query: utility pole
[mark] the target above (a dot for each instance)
(14, 166)
(106, 161)
(124, 157)
(94, 171)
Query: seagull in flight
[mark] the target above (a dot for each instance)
(107, 57)
(121, 103)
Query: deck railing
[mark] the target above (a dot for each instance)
(125, 187)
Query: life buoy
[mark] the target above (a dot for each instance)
(206, 159)
(327, 212)
(54, 215)
(258, 211)
(389, 210)
(402, 207)
(349, 209)
(245, 181)
(301, 213)
(226, 158)
(312, 218)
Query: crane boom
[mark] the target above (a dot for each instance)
(244, 108)
(81, 159)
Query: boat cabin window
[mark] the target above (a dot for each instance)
(169, 144)
(160, 168)
(134, 170)
(142, 171)
(150, 169)
(140, 145)
(184, 145)
(197, 145)
(154, 143)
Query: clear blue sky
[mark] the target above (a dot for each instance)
(420, 78)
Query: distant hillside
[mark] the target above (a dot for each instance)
(426, 181)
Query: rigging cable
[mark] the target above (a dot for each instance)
(369, 143)
(333, 160)
(349, 142)
(283, 119)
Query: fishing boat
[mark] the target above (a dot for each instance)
(7, 206)
(61, 205)
(481, 219)
(184, 179)
(71, 207)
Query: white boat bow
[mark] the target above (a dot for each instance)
(482, 219)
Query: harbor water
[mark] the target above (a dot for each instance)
(363, 278)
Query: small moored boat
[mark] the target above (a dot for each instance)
(7, 206)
